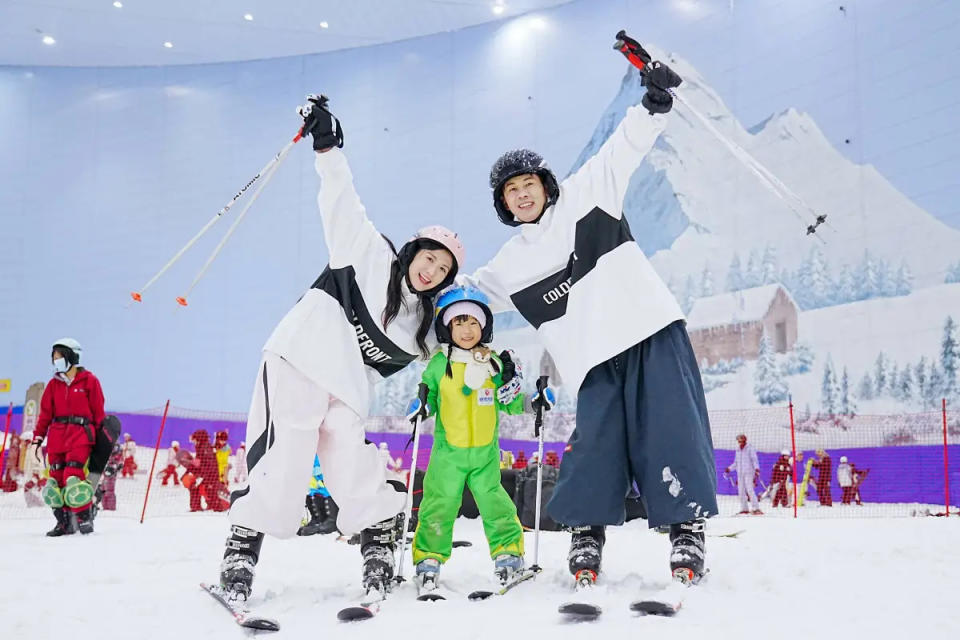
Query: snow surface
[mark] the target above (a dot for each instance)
(792, 579)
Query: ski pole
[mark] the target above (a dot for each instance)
(422, 391)
(639, 58)
(138, 295)
(538, 431)
(182, 300)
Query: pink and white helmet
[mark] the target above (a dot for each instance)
(448, 239)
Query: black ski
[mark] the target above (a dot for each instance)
(243, 616)
(668, 601)
(581, 611)
(366, 609)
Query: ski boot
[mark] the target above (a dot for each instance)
(85, 520)
(239, 562)
(586, 550)
(329, 524)
(507, 566)
(64, 526)
(687, 557)
(318, 514)
(427, 572)
(377, 545)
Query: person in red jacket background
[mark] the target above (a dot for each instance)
(71, 411)
(207, 476)
(521, 461)
(782, 472)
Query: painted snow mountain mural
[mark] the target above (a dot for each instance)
(860, 321)
(693, 207)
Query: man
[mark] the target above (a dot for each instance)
(748, 470)
(129, 457)
(616, 334)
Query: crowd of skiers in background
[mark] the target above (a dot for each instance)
(781, 485)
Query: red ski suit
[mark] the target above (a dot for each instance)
(68, 442)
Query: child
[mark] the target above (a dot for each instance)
(468, 386)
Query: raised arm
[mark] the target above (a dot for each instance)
(346, 227)
(603, 179)
(348, 231)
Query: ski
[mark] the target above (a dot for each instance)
(428, 590)
(667, 601)
(243, 616)
(523, 576)
(365, 609)
(582, 610)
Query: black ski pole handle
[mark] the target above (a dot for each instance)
(538, 420)
(422, 391)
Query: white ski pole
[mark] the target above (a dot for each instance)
(138, 295)
(182, 300)
(538, 429)
(422, 391)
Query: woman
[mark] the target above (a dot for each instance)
(366, 317)
(71, 411)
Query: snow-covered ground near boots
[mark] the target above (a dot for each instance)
(837, 577)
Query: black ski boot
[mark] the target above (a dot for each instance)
(239, 562)
(85, 520)
(586, 550)
(329, 524)
(318, 515)
(378, 544)
(687, 557)
(64, 526)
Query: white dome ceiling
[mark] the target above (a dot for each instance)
(97, 33)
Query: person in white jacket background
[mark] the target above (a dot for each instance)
(617, 336)
(748, 470)
(366, 317)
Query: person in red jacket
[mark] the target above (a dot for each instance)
(782, 471)
(207, 476)
(521, 461)
(71, 411)
(824, 466)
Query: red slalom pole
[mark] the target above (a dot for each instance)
(946, 465)
(153, 464)
(6, 431)
(793, 447)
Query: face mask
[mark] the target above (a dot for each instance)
(60, 366)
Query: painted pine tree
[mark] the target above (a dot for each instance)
(768, 385)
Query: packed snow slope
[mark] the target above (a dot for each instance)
(780, 577)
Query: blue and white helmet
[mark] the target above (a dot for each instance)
(467, 300)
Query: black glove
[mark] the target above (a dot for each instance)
(509, 366)
(320, 123)
(36, 444)
(658, 79)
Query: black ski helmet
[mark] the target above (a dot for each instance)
(514, 163)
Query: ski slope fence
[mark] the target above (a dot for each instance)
(901, 465)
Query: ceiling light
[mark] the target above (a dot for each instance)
(49, 40)
(118, 4)
(498, 9)
(168, 45)
(324, 24)
(248, 17)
